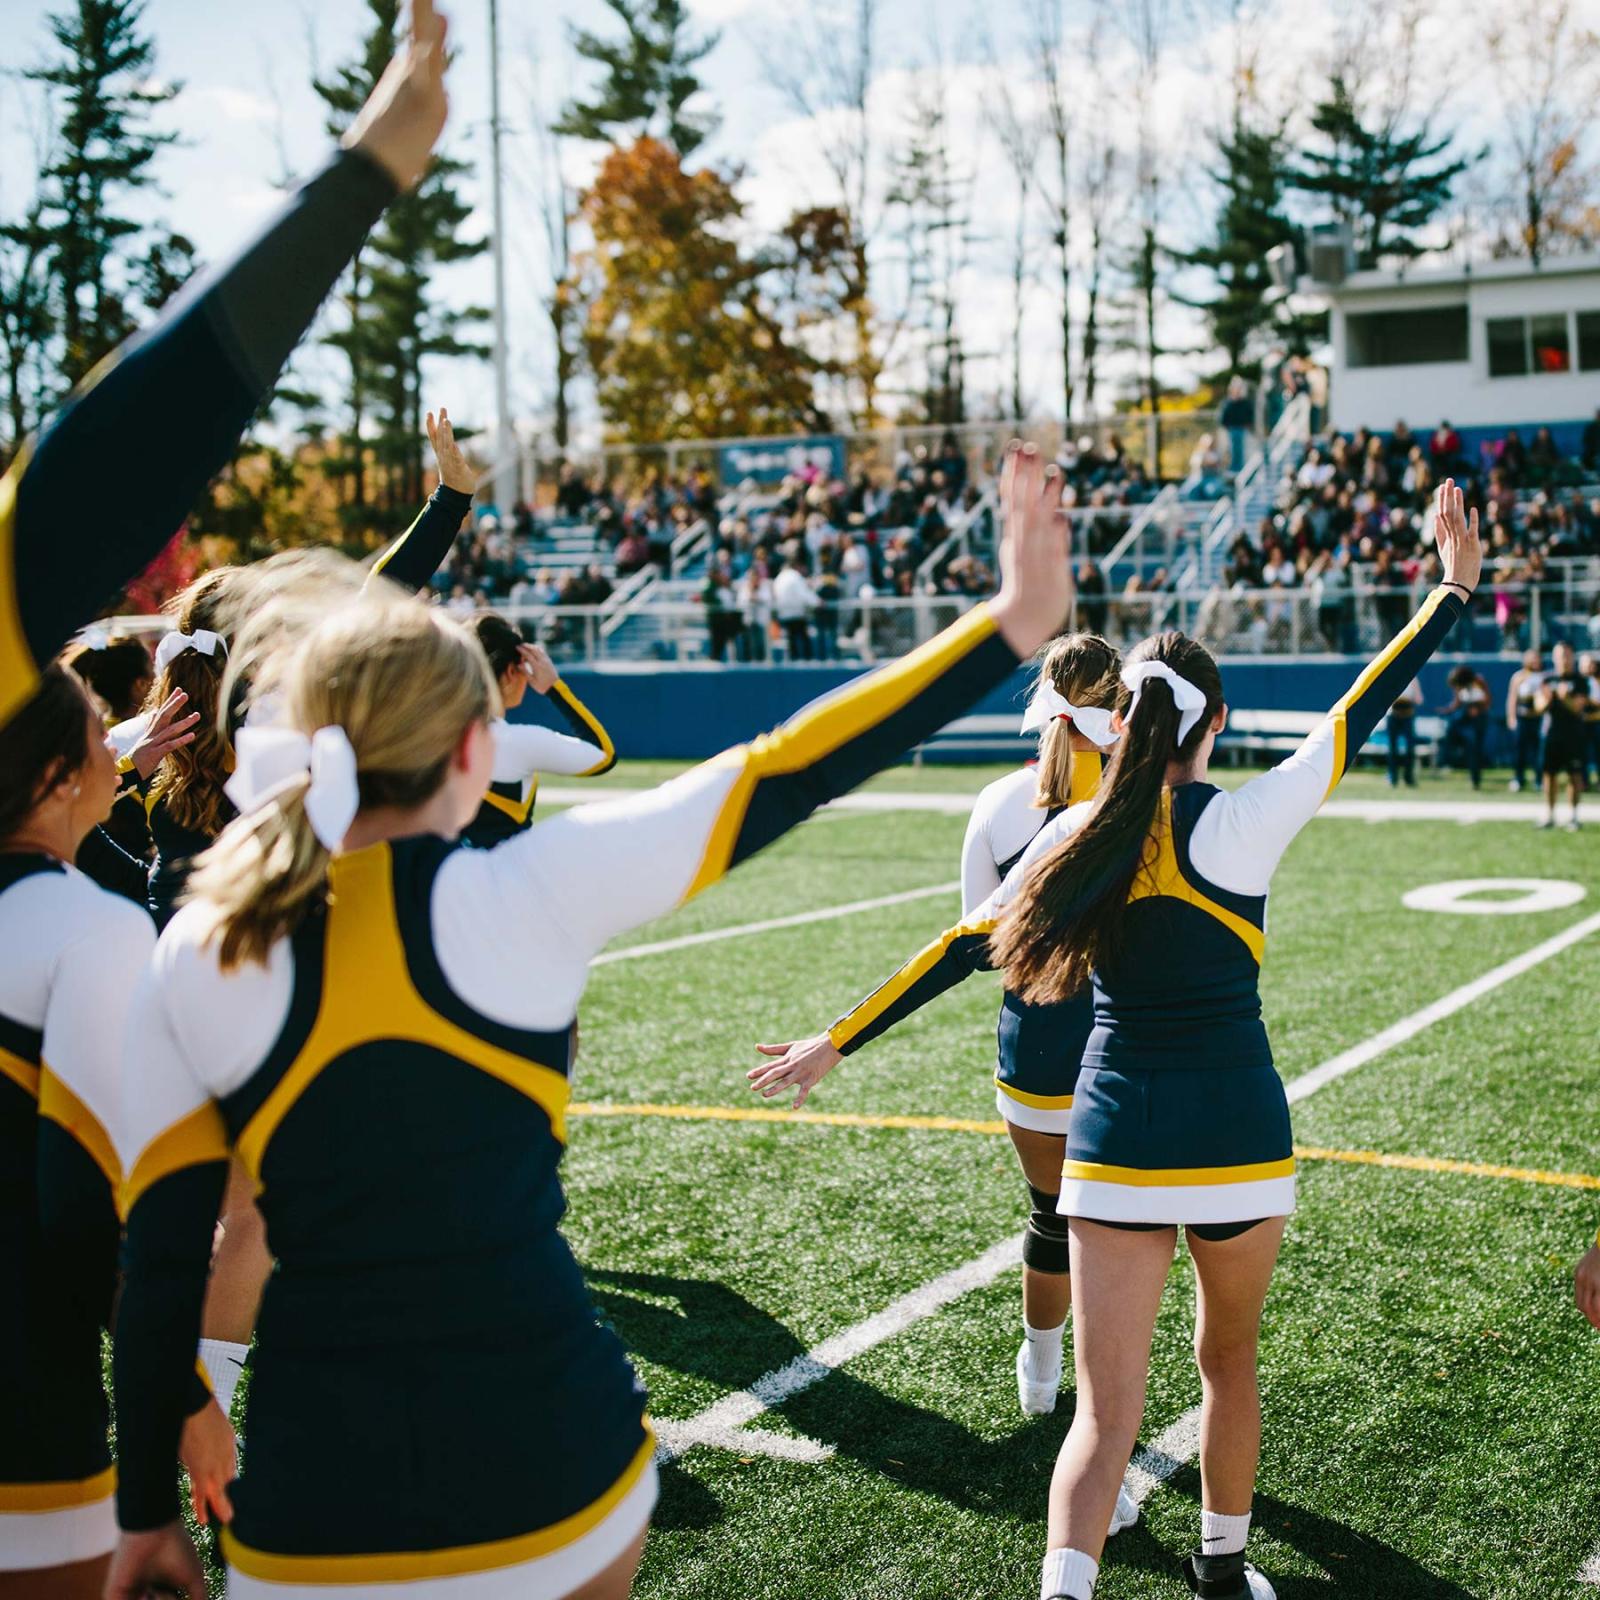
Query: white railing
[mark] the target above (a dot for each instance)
(958, 540)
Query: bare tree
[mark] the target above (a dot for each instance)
(1019, 129)
(1048, 42)
(26, 319)
(1546, 70)
(823, 66)
(1100, 168)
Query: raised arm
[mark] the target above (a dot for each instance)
(1242, 835)
(601, 869)
(423, 548)
(82, 510)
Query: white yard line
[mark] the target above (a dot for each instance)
(798, 920)
(723, 1424)
(953, 805)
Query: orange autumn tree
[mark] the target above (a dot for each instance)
(679, 333)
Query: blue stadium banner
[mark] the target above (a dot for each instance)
(772, 460)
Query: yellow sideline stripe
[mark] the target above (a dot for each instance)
(855, 1119)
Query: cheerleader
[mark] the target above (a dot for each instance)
(1040, 1047)
(522, 750)
(1157, 895)
(200, 372)
(379, 1022)
(73, 955)
(1564, 702)
(1522, 716)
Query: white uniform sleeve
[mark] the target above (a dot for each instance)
(521, 749)
(980, 877)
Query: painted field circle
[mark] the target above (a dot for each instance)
(1509, 897)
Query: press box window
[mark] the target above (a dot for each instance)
(1508, 347)
(1519, 346)
(1406, 338)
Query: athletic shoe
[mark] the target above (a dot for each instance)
(1515, 786)
(1226, 1578)
(1036, 1391)
(1549, 822)
(1573, 827)
(1126, 1514)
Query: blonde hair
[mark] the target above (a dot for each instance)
(189, 781)
(1085, 669)
(404, 682)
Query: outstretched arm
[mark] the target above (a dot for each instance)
(1242, 835)
(422, 549)
(202, 369)
(522, 749)
(601, 869)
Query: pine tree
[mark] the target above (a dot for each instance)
(648, 78)
(104, 77)
(1250, 222)
(1385, 183)
(392, 321)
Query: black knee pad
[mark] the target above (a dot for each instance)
(1045, 1246)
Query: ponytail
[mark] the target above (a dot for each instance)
(1082, 668)
(1068, 917)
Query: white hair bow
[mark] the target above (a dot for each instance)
(267, 760)
(94, 637)
(174, 644)
(1048, 703)
(1190, 701)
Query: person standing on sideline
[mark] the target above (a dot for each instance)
(1403, 736)
(792, 603)
(1237, 418)
(1523, 719)
(1564, 701)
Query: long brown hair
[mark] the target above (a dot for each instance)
(47, 741)
(114, 670)
(189, 781)
(1068, 917)
(1082, 668)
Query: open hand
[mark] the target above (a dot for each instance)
(800, 1066)
(165, 732)
(541, 670)
(1455, 534)
(209, 1453)
(404, 116)
(1035, 578)
(454, 472)
(160, 1561)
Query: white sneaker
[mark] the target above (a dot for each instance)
(1258, 1586)
(1126, 1514)
(1036, 1391)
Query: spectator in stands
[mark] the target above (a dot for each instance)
(755, 601)
(1544, 459)
(1467, 726)
(1330, 585)
(1402, 726)
(1393, 601)
(1401, 443)
(573, 495)
(723, 620)
(1093, 606)
(1512, 458)
(1205, 470)
(1237, 419)
(1445, 450)
(793, 601)
(632, 553)
(1375, 466)
(829, 592)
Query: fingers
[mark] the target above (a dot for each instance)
(800, 1098)
(433, 430)
(1472, 524)
(427, 26)
(773, 1050)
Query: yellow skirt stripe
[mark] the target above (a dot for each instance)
(62, 1496)
(1176, 1177)
(411, 1565)
(1040, 1102)
(827, 726)
(62, 1106)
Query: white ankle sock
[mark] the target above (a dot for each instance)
(1223, 1536)
(223, 1361)
(1044, 1345)
(1068, 1575)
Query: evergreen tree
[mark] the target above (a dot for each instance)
(27, 321)
(1250, 222)
(648, 78)
(104, 78)
(392, 321)
(1385, 183)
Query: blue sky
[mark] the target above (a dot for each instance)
(247, 112)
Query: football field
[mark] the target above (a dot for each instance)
(825, 1306)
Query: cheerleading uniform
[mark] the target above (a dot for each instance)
(522, 751)
(1566, 729)
(1180, 1116)
(73, 957)
(395, 1076)
(203, 367)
